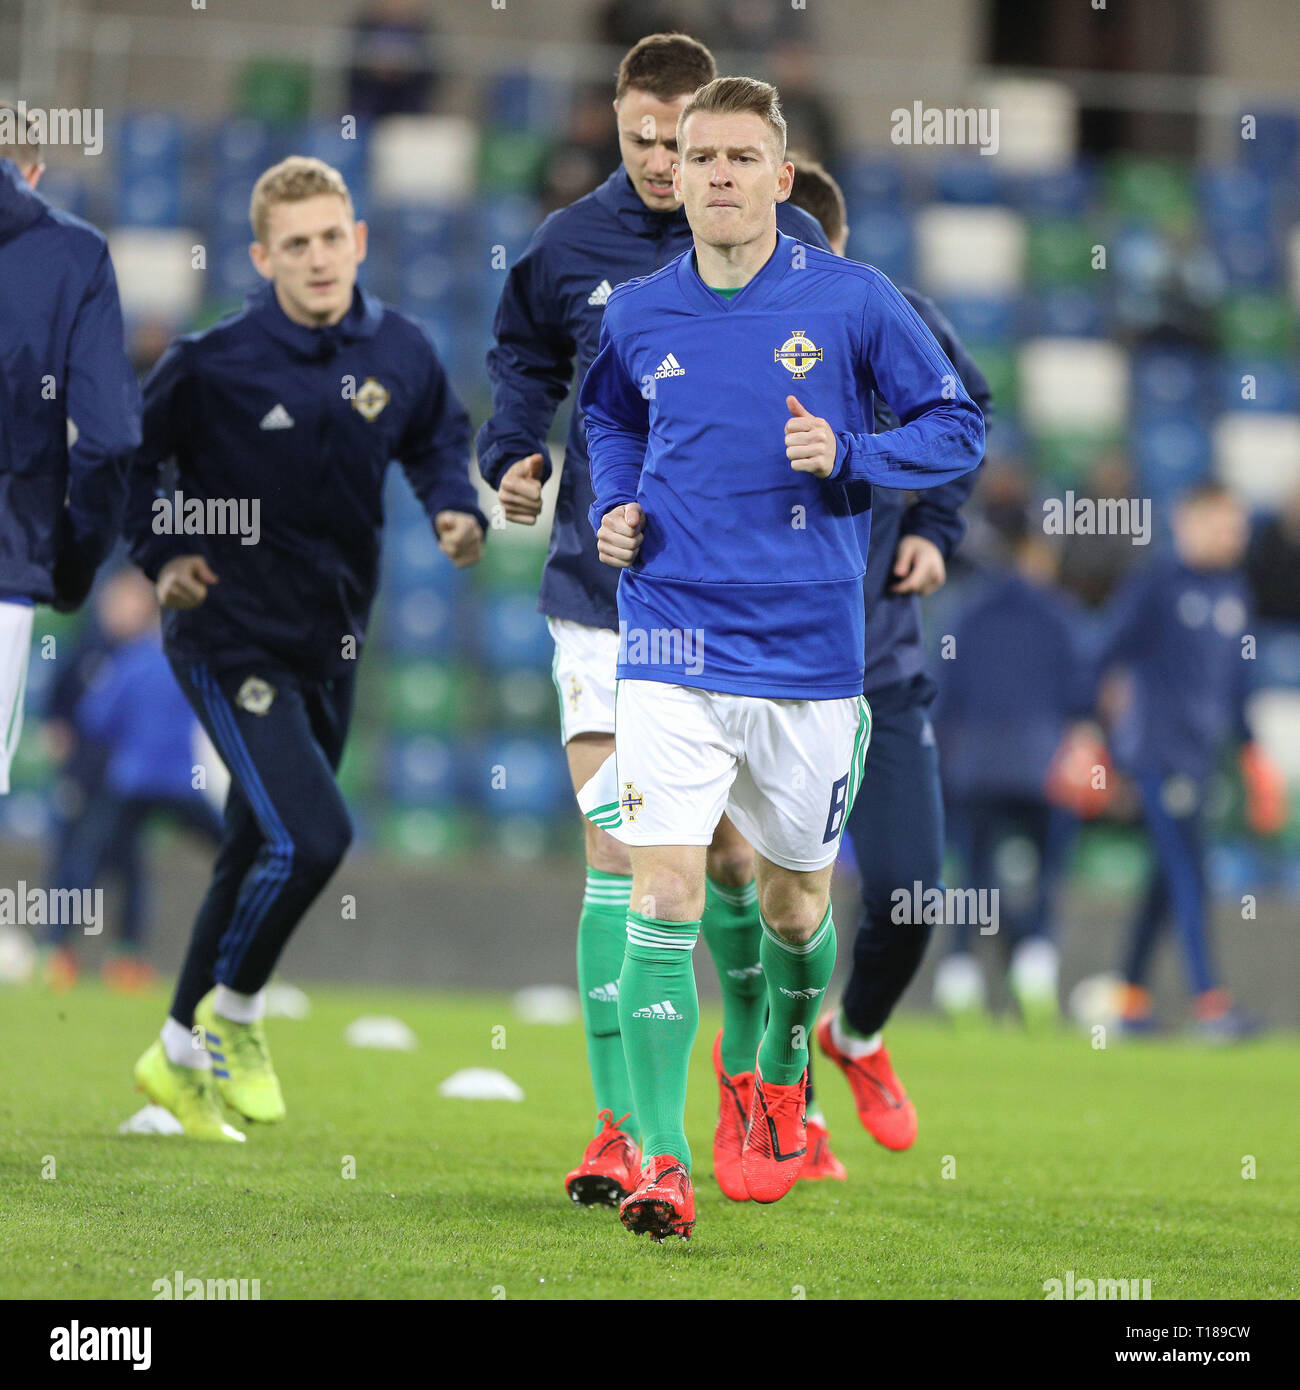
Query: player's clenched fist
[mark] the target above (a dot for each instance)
(184, 581)
(810, 443)
(620, 535)
(521, 490)
(460, 538)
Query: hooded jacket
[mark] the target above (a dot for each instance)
(69, 402)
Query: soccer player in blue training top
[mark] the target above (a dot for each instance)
(69, 413)
(896, 827)
(728, 418)
(549, 315)
(1178, 629)
(284, 416)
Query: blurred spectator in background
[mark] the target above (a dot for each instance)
(1177, 628)
(1016, 682)
(754, 27)
(132, 755)
(392, 71)
(624, 23)
(807, 114)
(1092, 565)
(589, 151)
(1273, 564)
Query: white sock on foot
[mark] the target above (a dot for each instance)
(239, 1008)
(850, 1045)
(182, 1048)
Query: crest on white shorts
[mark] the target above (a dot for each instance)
(631, 801)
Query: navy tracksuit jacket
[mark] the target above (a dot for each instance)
(64, 374)
(305, 421)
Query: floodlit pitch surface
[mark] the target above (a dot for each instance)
(1123, 1163)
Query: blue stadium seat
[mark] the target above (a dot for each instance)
(1276, 140)
(882, 237)
(420, 770)
(521, 100)
(413, 562)
(1168, 380)
(1170, 454)
(1065, 194)
(982, 319)
(1250, 257)
(507, 220)
(1069, 311)
(230, 272)
(152, 142)
(870, 180)
(515, 774)
(420, 623)
(401, 506)
(149, 198)
(1233, 197)
(969, 178)
(323, 139)
(1278, 656)
(241, 149)
(512, 632)
(1275, 384)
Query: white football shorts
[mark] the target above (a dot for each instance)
(586, 659)
(15, 647)
(784, 771)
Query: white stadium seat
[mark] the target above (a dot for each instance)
(1258, 455)
(1073, 383)
(970, 250)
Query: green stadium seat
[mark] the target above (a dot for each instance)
(1140, 189)
(512, 161)
(1256, 325)
(511, 560)
(429, 696)
(421, 833)
(276, 92)
(1060, 253)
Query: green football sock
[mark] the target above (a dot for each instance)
(732, 932)
(797, 977)
(602, 934)
(660, 1015)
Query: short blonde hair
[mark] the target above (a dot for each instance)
(726, 96)
(291, 181)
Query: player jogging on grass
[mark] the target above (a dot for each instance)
(549, 315)
(297, 404)
(897, 825)
(728, 419)
(69, 412)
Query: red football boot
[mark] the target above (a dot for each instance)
(609, 1169)
(883, 1107)
(734, 1095)
(663, 1203)
(777, 1142)
(821, 1162)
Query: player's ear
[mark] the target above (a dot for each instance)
(784, 180)
(363, 240)
(258, 254)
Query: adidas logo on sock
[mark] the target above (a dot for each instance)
(663, 1011)
(745, 972)
(605, 994)
(800, 993)
(277, 418)
(600, 294)
(670, 366)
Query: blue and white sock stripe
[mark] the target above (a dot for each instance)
(736, 897)
(252, 907)
(813, 942)
(681, 939)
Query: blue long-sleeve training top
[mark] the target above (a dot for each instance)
(304, 421)
(547, 324)
(686, 412)
(62, 358)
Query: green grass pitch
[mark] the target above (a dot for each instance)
(1123, 1163)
